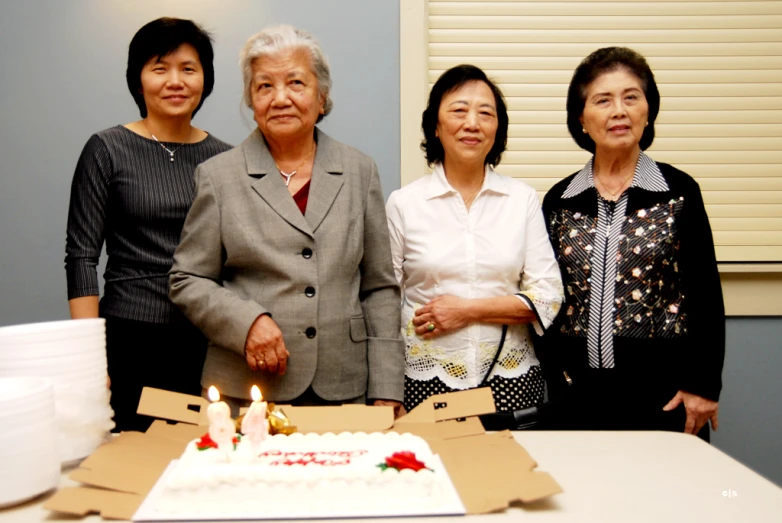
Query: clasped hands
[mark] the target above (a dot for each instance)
(440, 316)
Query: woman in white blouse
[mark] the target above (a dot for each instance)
(471, 253)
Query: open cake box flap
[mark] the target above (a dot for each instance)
(174, 406)
(342, 418)
(81, 501)
(450, 415)
(491, 471)
(120, 473)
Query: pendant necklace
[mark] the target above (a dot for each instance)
(290, 174)
(469, 200)
(169, 151)
(614, 193)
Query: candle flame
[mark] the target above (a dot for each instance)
(214, 394)
(256, 393)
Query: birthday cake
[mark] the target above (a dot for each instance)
(312, 474)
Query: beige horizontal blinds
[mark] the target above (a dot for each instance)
(719, 68)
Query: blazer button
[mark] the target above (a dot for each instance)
(307, 253)
(309, 292)
(310, 332)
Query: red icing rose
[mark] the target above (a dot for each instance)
(208, 443)
(404, 460)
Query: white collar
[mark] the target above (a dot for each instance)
(439, 186)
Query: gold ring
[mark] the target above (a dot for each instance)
(430, 327)
(259, 362)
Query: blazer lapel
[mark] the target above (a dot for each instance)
(326, 181)
(271, 188)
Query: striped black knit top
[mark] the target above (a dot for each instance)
(128, 193)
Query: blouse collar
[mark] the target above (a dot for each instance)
(647, 176)
(439, 186)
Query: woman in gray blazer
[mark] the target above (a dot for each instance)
(284, 261)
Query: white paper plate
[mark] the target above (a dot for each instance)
(30, 463)
(50, 367)
(5, 503)
(66, 343)
(85, 325)
(451, 506)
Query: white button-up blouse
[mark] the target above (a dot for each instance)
(500, 247)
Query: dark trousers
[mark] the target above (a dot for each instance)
(140, 354)
(607, 400)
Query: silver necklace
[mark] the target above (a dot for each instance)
(290, 174)
(169, 151)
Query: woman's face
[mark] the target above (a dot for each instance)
(467, 123)
(616, 112)
(172, 85)
(285, 95)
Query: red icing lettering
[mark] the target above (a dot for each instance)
(328, 458)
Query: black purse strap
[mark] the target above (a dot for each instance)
(496, 356)
(522, 419)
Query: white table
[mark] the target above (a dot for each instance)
(606, 477)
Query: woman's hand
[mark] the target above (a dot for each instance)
(265, 349)
(699, 411)
(399, 409)
(445, 313)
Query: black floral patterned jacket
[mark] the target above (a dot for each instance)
(642, 290)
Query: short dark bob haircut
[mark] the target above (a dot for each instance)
(162, 37)
(449, 81)
(607, 60)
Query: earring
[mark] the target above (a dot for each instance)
(584, 130)
(646, 124)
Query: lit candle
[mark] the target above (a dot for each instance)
(255, 425)
(221, 426)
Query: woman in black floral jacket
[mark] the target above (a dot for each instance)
(642, 330)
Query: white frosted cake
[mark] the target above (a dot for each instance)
(311, 474)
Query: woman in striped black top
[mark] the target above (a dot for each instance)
(642, 330)
(132, 189)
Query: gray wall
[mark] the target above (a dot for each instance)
(750, 414)
(63, 78)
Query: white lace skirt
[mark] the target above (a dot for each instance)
(462, 358)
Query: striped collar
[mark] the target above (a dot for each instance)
(647, 176)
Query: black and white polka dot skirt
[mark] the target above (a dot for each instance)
(509, 393)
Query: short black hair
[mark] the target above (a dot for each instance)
(606, 60)
(448, 82)
(162, 37)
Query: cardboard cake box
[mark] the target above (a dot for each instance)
(490, 471)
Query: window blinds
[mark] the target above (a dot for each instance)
(718, 65)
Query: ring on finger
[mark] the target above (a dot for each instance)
(430, 327)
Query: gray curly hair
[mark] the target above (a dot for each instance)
(273, 40)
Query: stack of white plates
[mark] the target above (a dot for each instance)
(28, 451)
(72, 354)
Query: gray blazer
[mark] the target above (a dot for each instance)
(247, 250)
